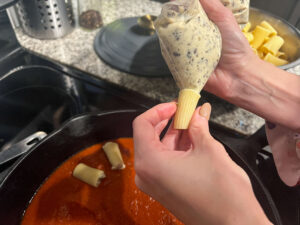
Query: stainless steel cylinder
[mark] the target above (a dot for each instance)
(46, 19)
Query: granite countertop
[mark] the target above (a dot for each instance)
(76, 50)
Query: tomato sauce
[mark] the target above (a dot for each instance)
(65, 200)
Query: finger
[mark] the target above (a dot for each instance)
(176, 139)
(198, 128)
(205, 110)
(171, 137)
(161, 126)
(184, 142)
(145, 124)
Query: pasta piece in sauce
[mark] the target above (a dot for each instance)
(62, 200)
(88, 174)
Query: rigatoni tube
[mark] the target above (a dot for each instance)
(89, 175)
(187, 103)
(114, 156)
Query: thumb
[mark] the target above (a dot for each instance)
(198, 128)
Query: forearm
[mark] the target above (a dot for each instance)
(269, 92)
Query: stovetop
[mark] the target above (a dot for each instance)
(40, 95)
(37, 95)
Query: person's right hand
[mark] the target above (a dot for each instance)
(236, 51)
(190, 172)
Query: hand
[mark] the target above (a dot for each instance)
(245, 80)
(236, 51)
(190, 173)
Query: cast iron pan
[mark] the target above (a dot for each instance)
(126, 46)
(18, 188)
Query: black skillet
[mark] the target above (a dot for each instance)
(18, 188)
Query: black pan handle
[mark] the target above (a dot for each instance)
(7, 3)
(259, 139)
(246, 148)
(21, 147)
(254, 144)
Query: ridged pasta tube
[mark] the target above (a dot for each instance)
(187, 100)
(269, 27)
(114, 156)
(273, 45)
(249, 36)
(281, 55)
(275, 60)
(259, 34)
(247, 27)
(89, 175)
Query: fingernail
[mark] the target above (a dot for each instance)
(205, 110)
(174, 101)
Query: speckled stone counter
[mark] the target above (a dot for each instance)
(76, 50)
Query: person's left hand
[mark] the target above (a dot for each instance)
(190, 173)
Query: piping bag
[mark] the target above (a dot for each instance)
(191, 46)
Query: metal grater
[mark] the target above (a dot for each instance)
(45, 19)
